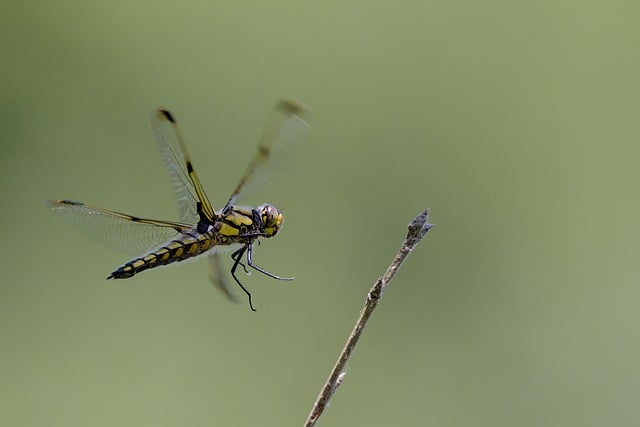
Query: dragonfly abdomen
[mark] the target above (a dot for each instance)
(174, 251)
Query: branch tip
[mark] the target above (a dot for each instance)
(418, 227)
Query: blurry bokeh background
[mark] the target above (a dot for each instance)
(516, 123)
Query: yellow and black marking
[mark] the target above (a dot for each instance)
(200, 229)
(234, 226)
(176, 250)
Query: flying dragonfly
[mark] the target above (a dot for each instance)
(201, 230)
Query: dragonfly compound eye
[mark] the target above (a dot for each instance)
(271, 219)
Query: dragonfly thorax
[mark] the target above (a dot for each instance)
(272, 219)
(239, 225)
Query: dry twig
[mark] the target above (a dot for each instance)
(417, 229)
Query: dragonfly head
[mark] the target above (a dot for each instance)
(271, 219)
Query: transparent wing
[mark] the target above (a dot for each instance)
(189, 193)
(285, 128)
(218, 275)
(124, 233)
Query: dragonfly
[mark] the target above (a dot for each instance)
(200, 230)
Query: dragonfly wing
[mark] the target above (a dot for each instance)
(285, 128)
(124, 233)
(218, 275)
(189, 193)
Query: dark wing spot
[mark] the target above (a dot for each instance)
(168, 116)
(289, 107)
(69, 202)
(264, 150)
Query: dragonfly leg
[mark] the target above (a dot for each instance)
(261, 270)
(237, 256)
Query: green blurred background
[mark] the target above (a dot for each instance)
(516, 123)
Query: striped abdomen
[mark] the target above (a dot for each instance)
(174, 251)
